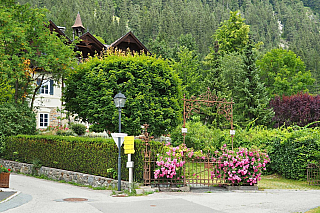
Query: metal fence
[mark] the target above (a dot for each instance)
(195, 173)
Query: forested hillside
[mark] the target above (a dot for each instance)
(163, 25)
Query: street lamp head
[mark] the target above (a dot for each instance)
(119, 100)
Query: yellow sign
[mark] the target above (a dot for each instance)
(129, 145)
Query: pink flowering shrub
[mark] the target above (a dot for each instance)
(241, 167)
(170, 163)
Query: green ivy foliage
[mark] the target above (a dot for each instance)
(80, 154)
(152, 89)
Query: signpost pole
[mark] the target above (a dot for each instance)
(119, 152)
(130, 170)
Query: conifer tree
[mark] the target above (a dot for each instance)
(250, 95)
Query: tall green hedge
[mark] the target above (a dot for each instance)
(80, 154)
(152, 89)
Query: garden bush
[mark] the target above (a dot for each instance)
(81, 154)
(16, 119)
(300, 109)
(199, 136)
(79, 129)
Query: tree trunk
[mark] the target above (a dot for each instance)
(35, 92)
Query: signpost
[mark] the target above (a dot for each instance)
(129, 149)
(116, 137)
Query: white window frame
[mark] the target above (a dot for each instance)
(45, 120)
(45, 87)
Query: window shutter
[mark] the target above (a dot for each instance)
(51, 87)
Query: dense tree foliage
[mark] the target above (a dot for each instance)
(234, 72)
(250, 95)
(16, 119)
(284, 73)
(233, 34)
(299, 109)
(28, 51)
(152, 89)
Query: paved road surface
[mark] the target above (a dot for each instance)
(43, 196)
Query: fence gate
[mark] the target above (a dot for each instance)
(313, 174)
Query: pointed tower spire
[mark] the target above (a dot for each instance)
(78, 28)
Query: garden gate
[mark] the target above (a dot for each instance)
(313, 174)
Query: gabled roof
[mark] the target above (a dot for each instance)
(54, 27)
(90, 38)
(129, 38)
(89, 45)
(78, 22)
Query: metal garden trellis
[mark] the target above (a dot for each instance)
(208, 100)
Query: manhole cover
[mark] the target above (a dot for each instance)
(75, 199)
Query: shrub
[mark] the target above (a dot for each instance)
(199, 136)
(64, 132)
(16, 119)
(241, 167)
(96, 128)
(300, 109)
(79, 129)
(290, 149)
(170, 162)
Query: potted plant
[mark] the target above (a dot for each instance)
(4, 176)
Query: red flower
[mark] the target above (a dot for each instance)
(9, 170)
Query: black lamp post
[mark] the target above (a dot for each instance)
(119, 101)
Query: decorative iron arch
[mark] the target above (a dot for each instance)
(207, 99)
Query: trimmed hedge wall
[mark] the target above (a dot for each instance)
(80, 154)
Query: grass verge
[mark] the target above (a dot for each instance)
(278, 182)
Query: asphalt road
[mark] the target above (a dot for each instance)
(43, 196)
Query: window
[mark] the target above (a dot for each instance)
(46, 87)
(44, 120)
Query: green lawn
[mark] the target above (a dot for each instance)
(316, 210)
(277, 182)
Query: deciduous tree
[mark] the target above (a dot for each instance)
(284, 73)
(29, 51)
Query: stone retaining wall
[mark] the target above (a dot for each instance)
(68, 176)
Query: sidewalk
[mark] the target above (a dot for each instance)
(6, 194)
